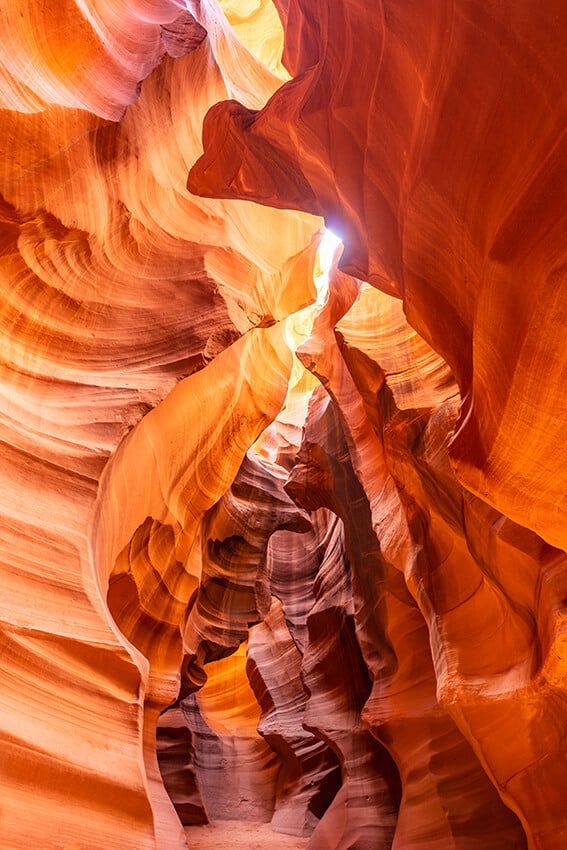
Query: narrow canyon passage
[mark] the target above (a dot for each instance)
(283, 504)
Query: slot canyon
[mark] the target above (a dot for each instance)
(283, 421)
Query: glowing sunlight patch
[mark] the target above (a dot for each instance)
(325, 254)
(288, 424)
(299, 325)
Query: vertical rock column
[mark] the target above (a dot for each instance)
(435, 761)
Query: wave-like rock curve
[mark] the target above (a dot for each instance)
(283, 541)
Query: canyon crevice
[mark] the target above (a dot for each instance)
(283, 511)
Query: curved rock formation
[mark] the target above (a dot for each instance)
(442, 166)
(309, 774)
(283, 538)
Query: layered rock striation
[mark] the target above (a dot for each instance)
(283, 536)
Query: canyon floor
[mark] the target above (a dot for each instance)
(240, 835)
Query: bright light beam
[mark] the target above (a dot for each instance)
(325, 254)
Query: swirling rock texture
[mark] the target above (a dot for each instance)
(281, 543)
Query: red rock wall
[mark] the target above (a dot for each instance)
(431, 137)
(261, 559)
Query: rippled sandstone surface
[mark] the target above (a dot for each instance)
(283, 524)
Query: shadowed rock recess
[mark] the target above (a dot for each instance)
(283, 516)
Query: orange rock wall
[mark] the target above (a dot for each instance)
(278, 544)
